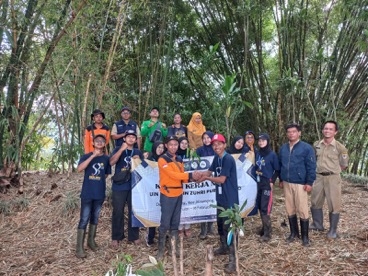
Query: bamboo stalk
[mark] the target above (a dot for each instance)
(173, 255)
(209, 259)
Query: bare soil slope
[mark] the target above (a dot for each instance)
(38, 232)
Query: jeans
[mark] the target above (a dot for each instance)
(90, 211)
(119, 199)
(170, 213)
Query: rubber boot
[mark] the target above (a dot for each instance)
(161, 246)
(210, 230)
(304, 227)
(231, 267)
(203, 233)
(223, 249)
(334, 220)
(266, 221)
(260, 231)
(294, 230)
(91, 237)
(80, 253)
(317, 216)
(175, 234)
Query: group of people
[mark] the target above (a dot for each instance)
(299, 167)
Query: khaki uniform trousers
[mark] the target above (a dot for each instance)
(328, 187)
(296, 200)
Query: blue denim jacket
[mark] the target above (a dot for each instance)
(298, 165)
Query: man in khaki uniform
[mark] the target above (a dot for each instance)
(332, 158)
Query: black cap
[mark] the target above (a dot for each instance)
(170, 138)
(249, 132)
(125, 108)
(99, 135)
(96, 112)
(264, 136)
(155, 107)
(130, 132)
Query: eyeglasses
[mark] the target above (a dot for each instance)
(249, 137)
(100, 141)
(125, 113)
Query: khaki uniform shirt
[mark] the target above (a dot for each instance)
(331, 157)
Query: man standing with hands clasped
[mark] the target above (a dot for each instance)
(332, 158)
(298, 172)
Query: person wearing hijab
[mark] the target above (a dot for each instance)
(195, 130)
(203, 151)
(158, 149)
(237, 145)
(267, 171)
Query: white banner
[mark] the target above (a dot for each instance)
(197, 197)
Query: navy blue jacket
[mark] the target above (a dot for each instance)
(299, 165)
(121, 127)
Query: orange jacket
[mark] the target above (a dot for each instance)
(88, 139)
(171, 176)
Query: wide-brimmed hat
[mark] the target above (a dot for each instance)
(96, 112)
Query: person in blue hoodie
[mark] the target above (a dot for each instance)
(297, 175)
(267, 171)
(203, 151)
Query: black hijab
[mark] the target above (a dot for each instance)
(153, 155)
(182, 153)
(267, 149)
(232, 148)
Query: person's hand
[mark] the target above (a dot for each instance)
(307, 188)
(196, 175)
(163, 125)
(271, 185)
(135, 156)
(281, 184)
(151, 124)
(97, 152)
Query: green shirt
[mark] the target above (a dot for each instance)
(146, 132)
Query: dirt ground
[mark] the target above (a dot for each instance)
(37, 237)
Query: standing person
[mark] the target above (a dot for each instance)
(97, 127)
(96, 167)
(267, 171)
(122, 191)
(298, 172)
(182, 152)
(250, 139)
(195, 131)
(237, 145)
(203, 151)
(158, 149)
(332, 158)
(225, 177)
(151, 127)
(171, 171)
(177, 129)
(120, 128)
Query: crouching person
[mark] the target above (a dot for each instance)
(96, 167)
(223, 173)
(171, 171)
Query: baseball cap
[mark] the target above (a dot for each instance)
(99, 135)
(96, 112)
(170, 138)
(218, 137)
(264, 136)
(125, 108)
(130, 132)
(249, 132)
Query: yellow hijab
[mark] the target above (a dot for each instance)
(197, 129)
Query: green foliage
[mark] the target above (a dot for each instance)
(70, 204)
(233, 216)
(356, 179)
(21, 203)
(4, 207)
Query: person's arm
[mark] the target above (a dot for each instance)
(139, 137)
(87, 141)
(146, 128)
(310, 164)
(84, 164)
(115, 156)
(343, 158)
(107, 137)
(163, 165)
(192, 144)
(114, 133)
